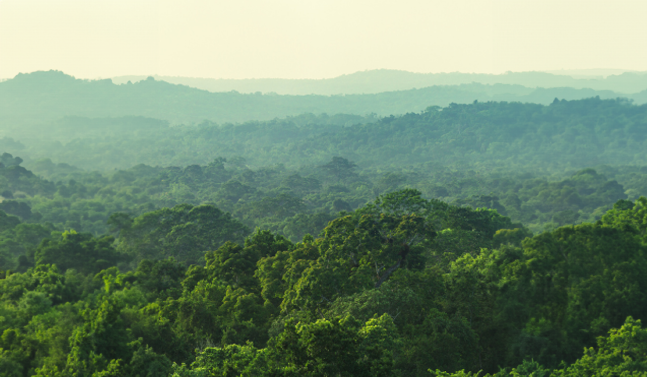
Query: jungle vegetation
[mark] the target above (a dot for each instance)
(484, 238)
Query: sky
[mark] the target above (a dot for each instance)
(237, 39)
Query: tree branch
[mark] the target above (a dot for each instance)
(388, 272)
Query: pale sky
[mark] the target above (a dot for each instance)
(317, 39)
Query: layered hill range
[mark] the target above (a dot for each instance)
(384, 80)
(97, 124)
(41, 97)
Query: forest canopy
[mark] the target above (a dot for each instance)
(482, 238)
(399, 287)
(481, 136)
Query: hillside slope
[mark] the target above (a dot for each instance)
(38, 97)
(483, 136)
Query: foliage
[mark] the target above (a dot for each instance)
(351, 268)
(183, 232)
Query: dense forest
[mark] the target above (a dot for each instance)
(455, 239)
(399, 287)
(483, 136)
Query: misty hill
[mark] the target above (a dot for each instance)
(41, 97)
(383, 80)
(482, 136)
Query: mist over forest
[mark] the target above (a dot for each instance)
(381, 223)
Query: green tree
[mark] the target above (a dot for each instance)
(79, 251)
(183, 232)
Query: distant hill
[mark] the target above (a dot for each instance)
(484, 136)
(376, 81)
(591, 73)
(41, 97)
